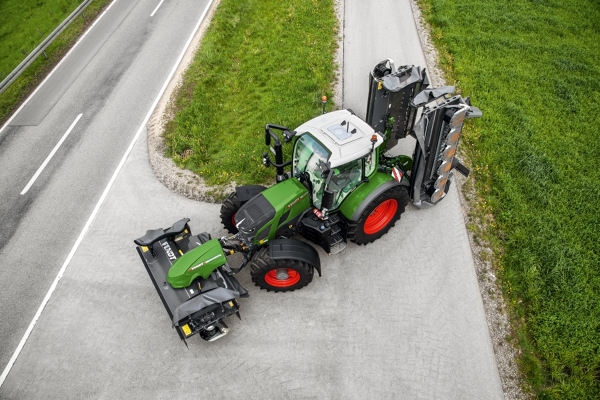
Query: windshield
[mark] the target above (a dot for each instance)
(311, 157)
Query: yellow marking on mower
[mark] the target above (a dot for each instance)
(180, 252)
(144, 248)
(231, 303)
(379, 85)
(186, 329)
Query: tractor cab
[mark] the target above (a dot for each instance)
(335, 153)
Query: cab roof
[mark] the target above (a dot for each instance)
(344, 134)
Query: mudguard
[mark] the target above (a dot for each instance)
(292, 249)
(359, 199)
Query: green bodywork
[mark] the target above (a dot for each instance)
(355, 199)
(198, 262)
(290, 199)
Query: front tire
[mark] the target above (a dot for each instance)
(379, 216)
(279, 275)
(229, 208)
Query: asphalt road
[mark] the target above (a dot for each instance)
(111, 78)
(400, 318)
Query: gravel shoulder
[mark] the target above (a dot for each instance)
(192, 186)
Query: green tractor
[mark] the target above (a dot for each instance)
(341, 185)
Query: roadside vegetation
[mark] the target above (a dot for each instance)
(24, 24)
(533, 67)
(261, 61)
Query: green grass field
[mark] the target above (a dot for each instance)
(24, 24)
(533, 67)
(261, 61)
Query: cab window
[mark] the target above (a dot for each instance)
(311, 156)
(344, 179)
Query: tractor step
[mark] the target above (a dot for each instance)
(335, 229)
(337, 248)
(335, 239)
(334, 219)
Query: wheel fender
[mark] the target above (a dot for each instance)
(245, 193)
(371, 196)
(295, 250)
(354, 205)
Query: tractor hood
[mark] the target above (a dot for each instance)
(253, 215)
(259, 219)
(200, 261)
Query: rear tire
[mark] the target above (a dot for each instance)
(229, 208)
(279, 275)
(379, 216)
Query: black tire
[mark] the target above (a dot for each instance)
(364, 232)
(263, 270)
(229, 208)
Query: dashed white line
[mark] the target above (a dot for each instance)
(41, 168)
(55, 68)
(156, 9)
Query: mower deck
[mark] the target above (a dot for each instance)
(203, 295)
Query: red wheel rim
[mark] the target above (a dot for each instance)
(292, 279)
(233, 219)
(381, 216)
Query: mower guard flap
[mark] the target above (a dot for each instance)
(216, 296)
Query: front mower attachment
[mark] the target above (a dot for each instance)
(201, 306)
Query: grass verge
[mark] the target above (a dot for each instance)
(533, 67)
(261, 61)
(24, 24)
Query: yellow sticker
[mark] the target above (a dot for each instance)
(186, 329)
(144, 248)
(380, 85)
(231, 303)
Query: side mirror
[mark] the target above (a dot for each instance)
(328, 197)
(288, 135)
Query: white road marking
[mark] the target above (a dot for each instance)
(55, 68)
(37, 315)
(156, 9)
(41, 168)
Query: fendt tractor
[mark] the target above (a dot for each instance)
(342, 185)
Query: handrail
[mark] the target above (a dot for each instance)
(42, 46)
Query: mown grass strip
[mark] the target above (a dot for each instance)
(24, 24)
(533, 66)
(261, 61)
